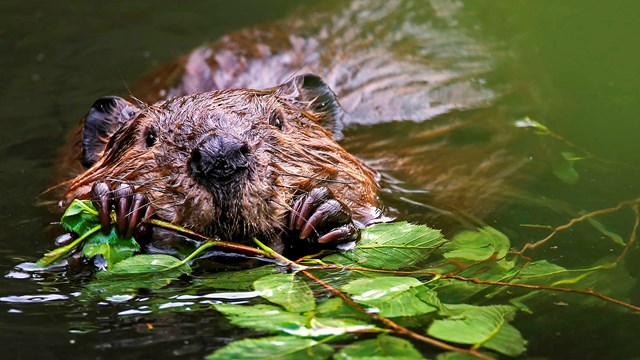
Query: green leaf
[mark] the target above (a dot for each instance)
(286, 290)
(477, 245)
(564, 170)
(336, 308)
(480, 326)
(262, 317)
(274, 319)
(391, 296)
(507, 341)
(80, 217)
(275, 347)
(391, 246)
(141, 271)
(527, 122)
(382, 347)
(110, 246)
(236, 280)
(600, 227)
(452, 355)
(146, 264)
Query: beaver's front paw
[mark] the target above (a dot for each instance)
(320, 218)
(131, 209)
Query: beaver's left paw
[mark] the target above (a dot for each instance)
(320, 218)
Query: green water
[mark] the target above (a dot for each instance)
(576, 64)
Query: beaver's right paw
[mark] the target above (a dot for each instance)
(131, 210)
(321, 219)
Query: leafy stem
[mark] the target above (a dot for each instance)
(55, 255)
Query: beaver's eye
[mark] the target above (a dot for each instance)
(151, 138)
(276, 120)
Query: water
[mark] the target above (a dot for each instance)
(572, 63)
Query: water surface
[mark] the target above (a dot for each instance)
(573, 65)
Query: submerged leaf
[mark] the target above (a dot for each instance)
(382, 347)
(274, 347)
(236, 280)
(391, 246)
(564, 170)
(141, 271)
(392, 296)
(452, 355)
(477, 245)
(146, 264)
(600, 227)
(274, 319)
(262, 317)
(286, 290)
(480, 326)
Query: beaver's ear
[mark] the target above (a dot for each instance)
(106, 115)
(311, 94)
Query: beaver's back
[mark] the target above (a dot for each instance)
(387, 61)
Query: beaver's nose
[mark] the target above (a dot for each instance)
(218, 158)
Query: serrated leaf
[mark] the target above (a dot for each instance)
(236, 280)
(286, 290)
(274, 319)
(110, 246)
(477, 245)
(274, 347)
(478, 325)
(391, 246)
(141, 271)
(149, 264)
(452, 355)
(262, 317)
(391, 296)
(382, 347)
(336, 308)
(507, 341)
(80, 217)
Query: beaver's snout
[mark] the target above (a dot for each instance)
(218, 159)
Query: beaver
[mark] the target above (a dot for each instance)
(210, 144)
(237, 164)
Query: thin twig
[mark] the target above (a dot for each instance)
(218, 243)
(632, 237)
(590, 292)
(575, 221)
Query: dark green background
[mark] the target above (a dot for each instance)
(578, 60)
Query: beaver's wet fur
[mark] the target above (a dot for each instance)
(285, 148)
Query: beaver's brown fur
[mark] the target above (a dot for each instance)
(284, 160)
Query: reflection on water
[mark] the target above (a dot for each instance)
(567, 66)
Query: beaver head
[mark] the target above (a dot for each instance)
(228, 163)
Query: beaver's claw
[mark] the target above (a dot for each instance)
(319, 217)
(131, 209)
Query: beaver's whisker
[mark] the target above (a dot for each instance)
(288, 207)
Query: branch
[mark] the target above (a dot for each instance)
(590, 292)
(399, 329)
(574, 221)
